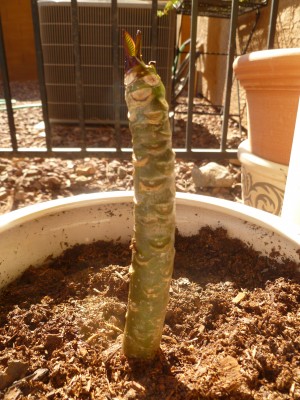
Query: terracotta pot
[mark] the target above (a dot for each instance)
(29, 235)
(271, 79)
(263, 181)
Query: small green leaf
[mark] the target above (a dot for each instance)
(129, 44)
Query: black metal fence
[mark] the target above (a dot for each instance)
(187, 150)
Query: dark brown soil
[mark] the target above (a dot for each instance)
(232, 327)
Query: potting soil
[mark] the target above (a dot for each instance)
(231, 330)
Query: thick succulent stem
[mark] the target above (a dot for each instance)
(154, 213)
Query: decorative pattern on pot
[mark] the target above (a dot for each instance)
(262, 195)
(263, 182)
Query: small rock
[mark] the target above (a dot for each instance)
(18, 172)
(40, 374)
(85, 170)
(122, 172)
(53, 182)
(82, 179)
(13, 394)
(114, 165)
(3, 193)
(111, 176)
(183, 282)
(67, 183)
(180, 188)
(3, 167)
(20, 195)
(4, 380)
(70, 164)
(4, 177)
(32, 171)
(212, 175)
(131, 394)
(239, 297)
(15, 370)
(53, 341)
(105, 138)
(40, 126)
(229, 372)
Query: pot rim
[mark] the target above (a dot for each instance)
(246, 213)
(261, 55)
(245, 155)
(269, 70)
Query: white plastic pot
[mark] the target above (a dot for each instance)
(263, 181)
(29, 235)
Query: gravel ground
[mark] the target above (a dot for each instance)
(26, 181)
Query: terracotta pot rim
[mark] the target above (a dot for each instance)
(265, 86)
(270, 69)
(273, 55)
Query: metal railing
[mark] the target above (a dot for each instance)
(186, 152)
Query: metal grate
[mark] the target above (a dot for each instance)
(220, 8)
(94, 19)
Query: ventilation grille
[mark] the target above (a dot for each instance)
(96, 56)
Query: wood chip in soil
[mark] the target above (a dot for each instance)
(231, 332)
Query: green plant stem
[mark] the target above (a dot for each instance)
(154, 214)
